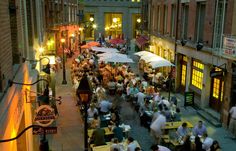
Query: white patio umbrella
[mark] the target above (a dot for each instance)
(148, 56)
(142, 53)
(161, 63)
(103, 49)
(116, 59)
(108, 55)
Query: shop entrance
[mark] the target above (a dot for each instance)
(183, 73)
(113, 25)
(216, 95)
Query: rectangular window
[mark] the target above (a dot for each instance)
(158, 18)
(185, 11)
(216, 88)
(220, 9)
(183, 75)
(165, 18)
(197, 74)
(201, 8)
(173, 12)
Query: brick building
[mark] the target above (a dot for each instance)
(193, 34)
(25, 26)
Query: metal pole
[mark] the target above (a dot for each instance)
(85, 127)
(64, 68)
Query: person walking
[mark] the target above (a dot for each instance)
(232, 123)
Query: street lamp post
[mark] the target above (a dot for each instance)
(63, 61)
(84, 92)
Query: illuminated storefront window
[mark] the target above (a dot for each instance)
(216, 88)
(183, 75)
(197, 74)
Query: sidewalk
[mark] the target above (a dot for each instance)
(70, 130)
(190, 114)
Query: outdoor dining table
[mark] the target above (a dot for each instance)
(108, 146)
(108, 131)
(175, 125)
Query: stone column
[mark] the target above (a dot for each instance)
(126, 23)
(206, 87)
(188, 74)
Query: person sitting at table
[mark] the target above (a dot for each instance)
(98, 136)
(118, 132)
(105, 106)
(182, 130)
(167, 114)
(199, 129)
(95, 121)
(131, 144)
(159, 148)
(186, 146)
(177, 116)
(215, 146)
(207, 142)
(115, 118)
(92, 110)
(197, 145)
(115, 146)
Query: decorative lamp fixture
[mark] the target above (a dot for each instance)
(63, 40)
(46, 69)
(183, 42)
(139, 20)
(91, 19)
(199, 46)
(94, 26)
(84, 92)
(114, 20)
(41, 49)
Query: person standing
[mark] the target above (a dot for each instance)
(232, 123)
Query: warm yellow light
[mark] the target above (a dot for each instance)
(52, 42)
(107, 28)
(91, 19)
(119, 25)
(139, 20)
(41, 49)
(80, 29)
(49, 43)
(114, 20)
(63, 40)
(72, 35)
(94, 26)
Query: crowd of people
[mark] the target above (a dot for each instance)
(144, 95)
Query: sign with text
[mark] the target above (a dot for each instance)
(229, 47)
(188, 98)
(45, 115)
(48, 130)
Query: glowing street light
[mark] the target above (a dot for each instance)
(139, 20)
(91, 19)
(114, 20)
(94, 26)
(41, 49)
(64, 68)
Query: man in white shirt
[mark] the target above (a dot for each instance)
(207, 142)
(131, 144)
(92, 110)
(157, 126)
(140, 95)
(232, 123)
(105, 106)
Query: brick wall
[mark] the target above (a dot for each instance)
(5, 42)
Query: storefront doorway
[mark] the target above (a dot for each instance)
(113, 25)
(216, 95)
(183, 73)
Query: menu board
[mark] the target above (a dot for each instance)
(188, 98)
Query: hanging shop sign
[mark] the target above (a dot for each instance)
(45, 115)
(189, 99)
(229, 47)
(46, 130)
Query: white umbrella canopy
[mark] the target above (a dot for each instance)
(103, 49)
(161, 63)
(118, 59)
(109, 55)
(148, 57)
(142, 53)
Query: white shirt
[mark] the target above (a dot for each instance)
(158, 124)
(92, 112)
(233, 112)
(105, 106)
(163, 148)
(141, 97)
(131, 146)
(166, 102)
(207, 143)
